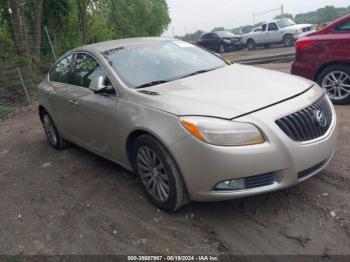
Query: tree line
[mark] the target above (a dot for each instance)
(321, 15)
(72, 23)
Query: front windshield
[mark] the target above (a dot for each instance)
(164, 60)
(285, 22)
(223, 34)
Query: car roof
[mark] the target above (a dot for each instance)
(112, 44)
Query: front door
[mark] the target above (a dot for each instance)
(92, 117)
(273, 34)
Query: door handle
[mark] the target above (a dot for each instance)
(74, 103)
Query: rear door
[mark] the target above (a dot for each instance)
(261, 37)
(209, 41)
(60, 77)
(92, 115)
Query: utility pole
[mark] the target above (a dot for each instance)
(173, 31)
(282, 10)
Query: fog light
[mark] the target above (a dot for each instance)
(230, 185)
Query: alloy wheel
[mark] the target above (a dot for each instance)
(337, 85)
(222, 49)
(50, 130)
(153, 174)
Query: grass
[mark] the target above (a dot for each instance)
(4, 111)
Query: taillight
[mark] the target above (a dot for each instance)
(302, 44)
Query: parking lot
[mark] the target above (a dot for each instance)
(73, 202)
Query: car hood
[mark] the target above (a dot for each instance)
(227, 92)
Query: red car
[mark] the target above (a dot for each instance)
(324, 57)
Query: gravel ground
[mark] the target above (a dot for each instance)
(258, 53)
(73, 202)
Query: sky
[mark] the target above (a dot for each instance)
(190, 15)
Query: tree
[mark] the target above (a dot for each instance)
(220, 28)
(130, 18)
(72, 23)
(82, 6)
(192, 36)
(38, 8)
(14, 11)
(326, 14)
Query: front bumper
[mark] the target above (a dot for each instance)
(204, 165)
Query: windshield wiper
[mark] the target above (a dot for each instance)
(153, 83)
(200, 72)
(158, 82)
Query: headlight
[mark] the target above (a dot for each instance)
(222, 132)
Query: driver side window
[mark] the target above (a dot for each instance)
(273, 27)
(86, 69)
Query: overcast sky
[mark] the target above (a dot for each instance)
(190, 15)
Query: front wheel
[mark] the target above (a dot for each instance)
(222, 48)
(251, 44)
(159, 175)
(335, 80)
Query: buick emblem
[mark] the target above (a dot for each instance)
(321, 118)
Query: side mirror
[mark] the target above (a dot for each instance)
(97, 84)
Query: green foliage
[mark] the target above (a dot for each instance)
(326, 14)
(4, 111)
(220, 28)
(132, 18)
(191, 36)
(72, 23)
(285, 15)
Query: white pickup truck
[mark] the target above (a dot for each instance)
(282, 31)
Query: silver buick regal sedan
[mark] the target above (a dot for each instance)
(189, 124)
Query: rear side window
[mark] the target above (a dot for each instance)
(62, 72)
(86, 69)
(264, 27)
(209, 36)
(344, 26)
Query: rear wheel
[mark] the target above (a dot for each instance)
(158, 174)
(251, 44)
(288, 40)
(52, 134)
(336, 80)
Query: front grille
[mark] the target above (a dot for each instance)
(310, 170)
(259, 180)
(309, 123)
(307, 29)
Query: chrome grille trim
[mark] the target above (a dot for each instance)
(303, 126)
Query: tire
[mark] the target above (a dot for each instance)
(222, 48)
(336, 80)
(52, 134)
(251, 44)
(288, 40)
(157, 170)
